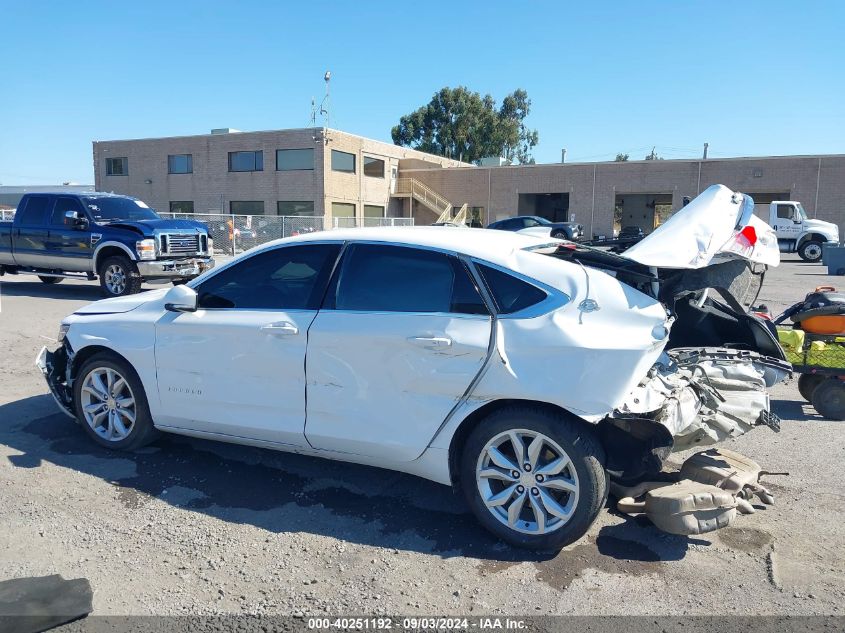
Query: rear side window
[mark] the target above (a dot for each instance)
(510, 294)
(286, 278)
(385, 278)
(34, 211)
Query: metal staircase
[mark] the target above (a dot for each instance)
(422, 193)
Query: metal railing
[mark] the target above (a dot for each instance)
(7, 215)
(422, 193)
(235, 234)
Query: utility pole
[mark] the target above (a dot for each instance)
(706, 147)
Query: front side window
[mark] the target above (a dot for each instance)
(180, 164)
(373, 167)
(286, 278)
(295, 207)
(343, 161)
(786, 211)
(181, 206)
(294, 159)
(63, 205)
(117, 166)
(510, 294)
(246, 161)
(246, 207)
(385, 278)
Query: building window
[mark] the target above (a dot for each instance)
(246, 207)
(117, 166)
(180, 164)
(373, 167)
(295, 207)
(294, 159)
(343, 161)
(246, 161)
(181, 206)
(373, 211)
(343, 210)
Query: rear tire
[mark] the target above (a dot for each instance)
(810, 251)
(829, 399)
(119, 277)
(111, 404)
(807, 384)
(546, 493)
(50, 280)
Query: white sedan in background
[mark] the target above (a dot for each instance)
(522, 370)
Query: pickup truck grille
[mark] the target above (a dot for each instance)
(178, 244)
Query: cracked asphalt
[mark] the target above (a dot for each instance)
(193, 527)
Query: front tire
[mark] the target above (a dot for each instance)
(50, 280)
(534, 478)
(119, 276)
(810, 251)
(807, 384)
(111, 405)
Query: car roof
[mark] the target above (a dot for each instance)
(487, 244)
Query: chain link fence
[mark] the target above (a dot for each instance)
(6, 215)
(235, 234)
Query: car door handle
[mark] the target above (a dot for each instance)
(280, 328)
(430, 341)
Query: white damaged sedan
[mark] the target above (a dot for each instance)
(529, 373)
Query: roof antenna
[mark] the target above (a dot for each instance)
(325, 105)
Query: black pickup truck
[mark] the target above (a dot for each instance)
(116, 238)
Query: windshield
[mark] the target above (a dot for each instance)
(800, 214)
(540, 220)
(109, 209)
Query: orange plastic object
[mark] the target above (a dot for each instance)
(825, 324)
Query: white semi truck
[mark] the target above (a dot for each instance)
(797, 233)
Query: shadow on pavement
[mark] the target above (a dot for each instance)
(53, 291)
(282, 492)
(795, 410)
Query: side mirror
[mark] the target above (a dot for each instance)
(181, 298)
(76, 220)
(797, 220)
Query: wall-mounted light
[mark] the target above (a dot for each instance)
(148, 181)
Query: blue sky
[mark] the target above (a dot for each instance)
(751, 78)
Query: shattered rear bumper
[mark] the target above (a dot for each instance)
(54, 367)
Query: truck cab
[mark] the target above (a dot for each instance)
(117, 239)
(797, 233)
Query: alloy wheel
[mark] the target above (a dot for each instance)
(108, 404)
(115, 279)
(527, 481)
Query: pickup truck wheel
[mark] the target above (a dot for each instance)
(829, 399)
(119, 276)
(50, 280)
(810, 251)
(533, 478)
(111, 405)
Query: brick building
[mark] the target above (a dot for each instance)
(333, 174)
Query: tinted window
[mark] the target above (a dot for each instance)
(62, 206)
(117, 166)
(295, 207)
(373, 167)
(294, 159)
(785, 211)
(292, 278)
(246, 161)
(34, 212)
(180, 164)
(509, 293)
(246, 207)
(399, 279)
(181, 206)
(342, 161)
